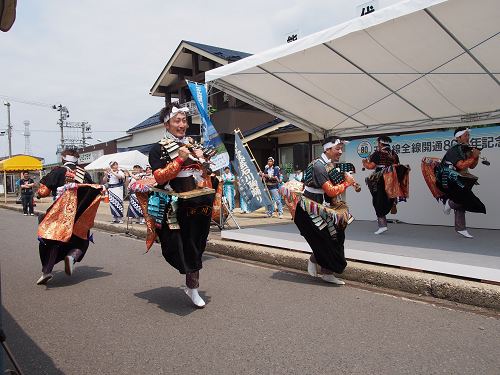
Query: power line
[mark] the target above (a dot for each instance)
(24, 101)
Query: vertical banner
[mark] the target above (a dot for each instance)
(210, 136)
(251, 188)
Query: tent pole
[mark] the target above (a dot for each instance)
(41, 201)
(4, 186)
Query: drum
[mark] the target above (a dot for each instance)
(163, 204)
(338, 212)
(469, 180)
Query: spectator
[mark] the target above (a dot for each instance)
(271, 176)
(26, 185)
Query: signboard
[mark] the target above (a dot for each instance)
(292, 36)
(367, 8)
(89, 157)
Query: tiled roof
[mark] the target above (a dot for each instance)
(144, 149)
(153, 120)
(269, 124)
(223, 53)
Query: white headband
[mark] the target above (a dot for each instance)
(70, 158)
(337, 141)
(112, 162)
(175, 111)
(460, 133)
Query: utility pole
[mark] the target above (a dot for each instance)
(27, 146)
(9, 133)
(63, 116)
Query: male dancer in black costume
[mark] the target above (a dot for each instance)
(457, 160)
(63, 233)
(183, 245)
(325, 240)
(379, 161)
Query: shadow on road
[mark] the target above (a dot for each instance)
(301, 279)
(80, 274)
(29, 356)
(171, 300)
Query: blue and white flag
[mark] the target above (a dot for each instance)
(252, 190)
(210, 135)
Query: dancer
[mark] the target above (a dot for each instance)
(184, 224)
(322, 227)
(134, 208)
(455, 181)
(228, 179)
(115, 179)
(388, 182)
(271, 178)
(64, 233)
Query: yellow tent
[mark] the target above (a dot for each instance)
(18, 164)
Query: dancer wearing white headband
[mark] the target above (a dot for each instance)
(389, 183)
(115, 178)
(323, 235)
(455, 182)
(183, 225)
(63, 233)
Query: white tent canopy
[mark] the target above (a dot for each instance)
(126, 160)
(416, 65)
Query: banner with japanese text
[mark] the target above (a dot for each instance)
(210, 136)
(252, 190)
(421, 207)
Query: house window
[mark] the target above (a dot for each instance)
(286, 162)
(317, 150)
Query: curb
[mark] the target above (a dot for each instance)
(415, 282)
(425, 284)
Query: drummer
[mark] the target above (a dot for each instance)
(449, 179)
(385, 162)
(183, 244)
(325, 240)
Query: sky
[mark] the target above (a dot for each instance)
(99, 58)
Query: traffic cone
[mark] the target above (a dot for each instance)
(106, 197)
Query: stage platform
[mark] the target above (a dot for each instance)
(421, 247)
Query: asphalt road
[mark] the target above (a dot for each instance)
(124, 312)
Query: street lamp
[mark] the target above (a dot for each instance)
(9, 133)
